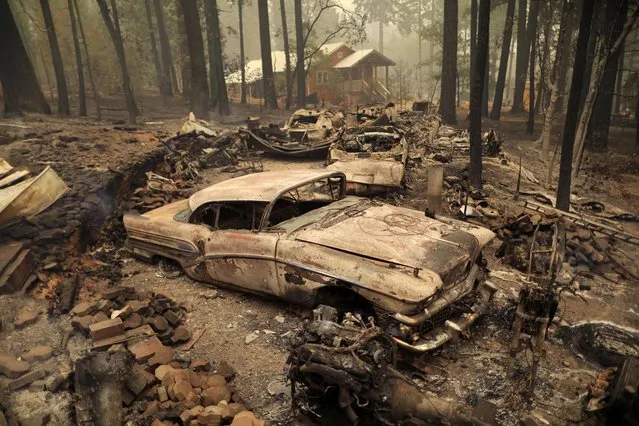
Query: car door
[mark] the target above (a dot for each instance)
(243, 258)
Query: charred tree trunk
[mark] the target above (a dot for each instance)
(199, 90)
(619, 83)
(168, 80)
(561, 58)
(495, 112)
(381, 36)
(217, 64)
(521, 65)
(94, 89)
(78, 61)
(637, 120)
(242, 59)
(597, 18)
(541, 102)
(212, 55)
(116, 38)
(185, 64)
(473, 40)
(606, 50)
(154, 47)
(532, 36)
(602, 109)
(484, 93)
(61, 83)
(476, 94)
(565, 63)
(287, 56)
(570, 124)
(299, 46)
(449, 64)
(268, 80)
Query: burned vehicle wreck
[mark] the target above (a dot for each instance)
(373, 158)
(307, 133)
(294, 235)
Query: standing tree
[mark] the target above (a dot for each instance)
(449, 63)
(604, 52)
(268, 80)
(116, 38)
(168, 79)
(61, 83)
(476, 93)
(242, 58)
(521, 63)
(287, 55)
(299, 47)
(154, 46)
(78, 60)
(380, 12)
(532, 36)
(597, 136)
(561, 57)
(94, 89)
(572, 113)
(17, 76)
(495, 112)
(199, 90)
(183, 50)
(219, 94)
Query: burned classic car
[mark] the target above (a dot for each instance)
(373, 158)
(294, 235)
(306, 133)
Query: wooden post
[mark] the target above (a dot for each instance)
(386, 76)
(435, 182)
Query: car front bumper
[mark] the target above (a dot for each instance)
(452, 328)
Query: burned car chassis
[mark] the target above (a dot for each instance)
(294, 235)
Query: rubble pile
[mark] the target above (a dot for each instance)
(157, 192)
(123, 314)
(162, 383)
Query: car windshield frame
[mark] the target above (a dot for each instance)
(269, 208)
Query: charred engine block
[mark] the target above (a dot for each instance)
(351, 365)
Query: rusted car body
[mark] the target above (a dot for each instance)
(307, 133)
(373, 158)
(294, 235)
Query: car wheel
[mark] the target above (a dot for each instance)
(169, 268)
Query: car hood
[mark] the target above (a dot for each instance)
(400, 236)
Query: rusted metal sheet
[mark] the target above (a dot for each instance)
(30, 197)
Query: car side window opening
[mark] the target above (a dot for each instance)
(231, 215)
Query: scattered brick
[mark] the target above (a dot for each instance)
(215, 395)
(26, 317)
(182, 390)
(26, 379)
(112, 293)
(212, 416)
(38, 353)
(162, 370)
(196, 380)
(163, 355)
(37, 386)
(145, 349)
(172, 317)
(127, 397)
(159, 323)
(106, 329)
(82, 323)
(83, 308)
(99, 317)
(181, 334)
(133, 321)
(55, 382)
(103, 305)
(11, 367)
(215, 380)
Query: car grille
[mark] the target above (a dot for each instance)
(447, 313)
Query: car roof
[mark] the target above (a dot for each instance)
(263, 186)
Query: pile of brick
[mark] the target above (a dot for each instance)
(162, 384)
(194, 395)
(122, 314)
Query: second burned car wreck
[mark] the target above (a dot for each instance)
(373, 158)
(294, 235)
